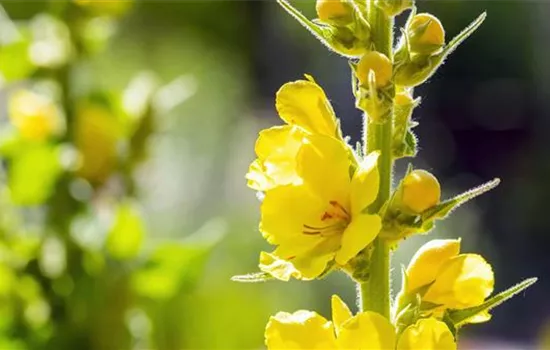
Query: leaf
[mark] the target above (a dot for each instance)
(253, 277)
(459, 317)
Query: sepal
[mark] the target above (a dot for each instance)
(347, 39)
(461, 317)
(399, 224)
(412, 70)
(253, 277)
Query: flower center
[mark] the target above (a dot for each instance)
(338, 217)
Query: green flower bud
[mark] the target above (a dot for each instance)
(393, 7)
(426, 34)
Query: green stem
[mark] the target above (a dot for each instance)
(375, 293)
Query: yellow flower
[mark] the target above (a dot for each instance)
(305, 108)
(448, 279)
(366, 330)
(35, 116)
(319, 218)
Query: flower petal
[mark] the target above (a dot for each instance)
(285, 210)
(302, 267)
(277, 148)
(463, 281)
(305, 104)
(367, 330)
(427, 334)
(300, 330)
(323, 165)
(427, 261)
(365, 183)
(340, 313)
(361, 231)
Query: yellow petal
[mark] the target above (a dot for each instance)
(427, 334)
(323, 165)
(340, 313)
(257, 178)
(479, 318)
(367, 330)
(427, 261)
(361, 231)
(464, 281)
(305, 104)
(303, 267)
(276, 148)
(364, 184)
(300, 330)
(285, 210)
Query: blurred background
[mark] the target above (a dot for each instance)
(126, 129)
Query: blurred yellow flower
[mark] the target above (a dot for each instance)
(35, 116)
(448, 279)
(366, 330)
(319, 218)
(97, 132)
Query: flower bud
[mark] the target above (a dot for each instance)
(393, 7)
(421, 191)
(426, 34)
(330, 11)
(379, 64)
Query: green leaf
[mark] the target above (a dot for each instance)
(464, 34)
(459, 317)
(253, 277)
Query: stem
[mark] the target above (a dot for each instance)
(375, 293)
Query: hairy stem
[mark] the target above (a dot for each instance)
(375, 293)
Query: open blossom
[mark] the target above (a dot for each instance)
(315, 191)
(447, 279)
(366, 330)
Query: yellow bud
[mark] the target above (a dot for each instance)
(379, 63)
(330, 10)
(421, 191)
(403, 99)
(426, 34)
(35, 116)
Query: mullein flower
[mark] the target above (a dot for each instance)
(366, 330)
(35, 116)
(445, 279)
(315, 190)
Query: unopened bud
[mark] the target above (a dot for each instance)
(379, 64)
(330, 11)
(421, 191)
(393, 7)
(426, 34)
